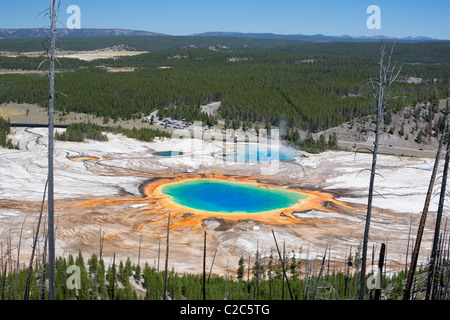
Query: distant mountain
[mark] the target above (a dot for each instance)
(314, 38)
(61, 33)
(84, 32)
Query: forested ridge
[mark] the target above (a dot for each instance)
(308, 91)
(424, 52)
(143, 43)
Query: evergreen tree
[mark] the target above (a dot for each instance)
(83, 292)
(333, 141)
(419, 138)
(402, 130)
(101, 280)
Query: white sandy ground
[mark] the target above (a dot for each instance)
(23, 173)
(82, 55)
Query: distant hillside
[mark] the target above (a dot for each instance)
(144, 43)
(62, 33)
(316, 37)
(409, 50)
(86, 32)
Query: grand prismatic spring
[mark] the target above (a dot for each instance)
(190, 199)
(230, 197)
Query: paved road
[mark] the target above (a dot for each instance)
(425, 153)
(210, 108)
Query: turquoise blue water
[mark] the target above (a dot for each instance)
(230, 197)
(251, 153)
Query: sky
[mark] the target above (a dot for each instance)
(398, 18)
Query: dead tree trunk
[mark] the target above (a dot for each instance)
(30, 266)
(380, 273)
(347, 273)
(437, 273)
(51, 236)
(18, 259)
(113, 276)
(407, 247)
(212, 264)
(255, 296)
(9, 252)
(283, 261)
(204, 269)
(167, 259)
(101, 234)
(320, 273)
(3, 273)
(44, 261)
(437, 228)
(446, 272)
(159, 252)
(139, 251)
(248, 268)
(380, 94)
(423, 218)
(282, 264)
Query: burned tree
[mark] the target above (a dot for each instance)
(284, 269)
(434, 250)
(423, 218)
(167, 259)
(54, 8)
(381, 88)
(27, 284)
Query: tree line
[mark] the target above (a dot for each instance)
(79, 131)
(5, 130)
(419, 52)
(308, 91)
(255, 278)
(39, 63)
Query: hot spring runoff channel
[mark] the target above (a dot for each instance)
(230, 197)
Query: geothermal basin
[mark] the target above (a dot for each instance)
(129, 196)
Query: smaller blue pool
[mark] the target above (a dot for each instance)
(169, 153)
(252, 153)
